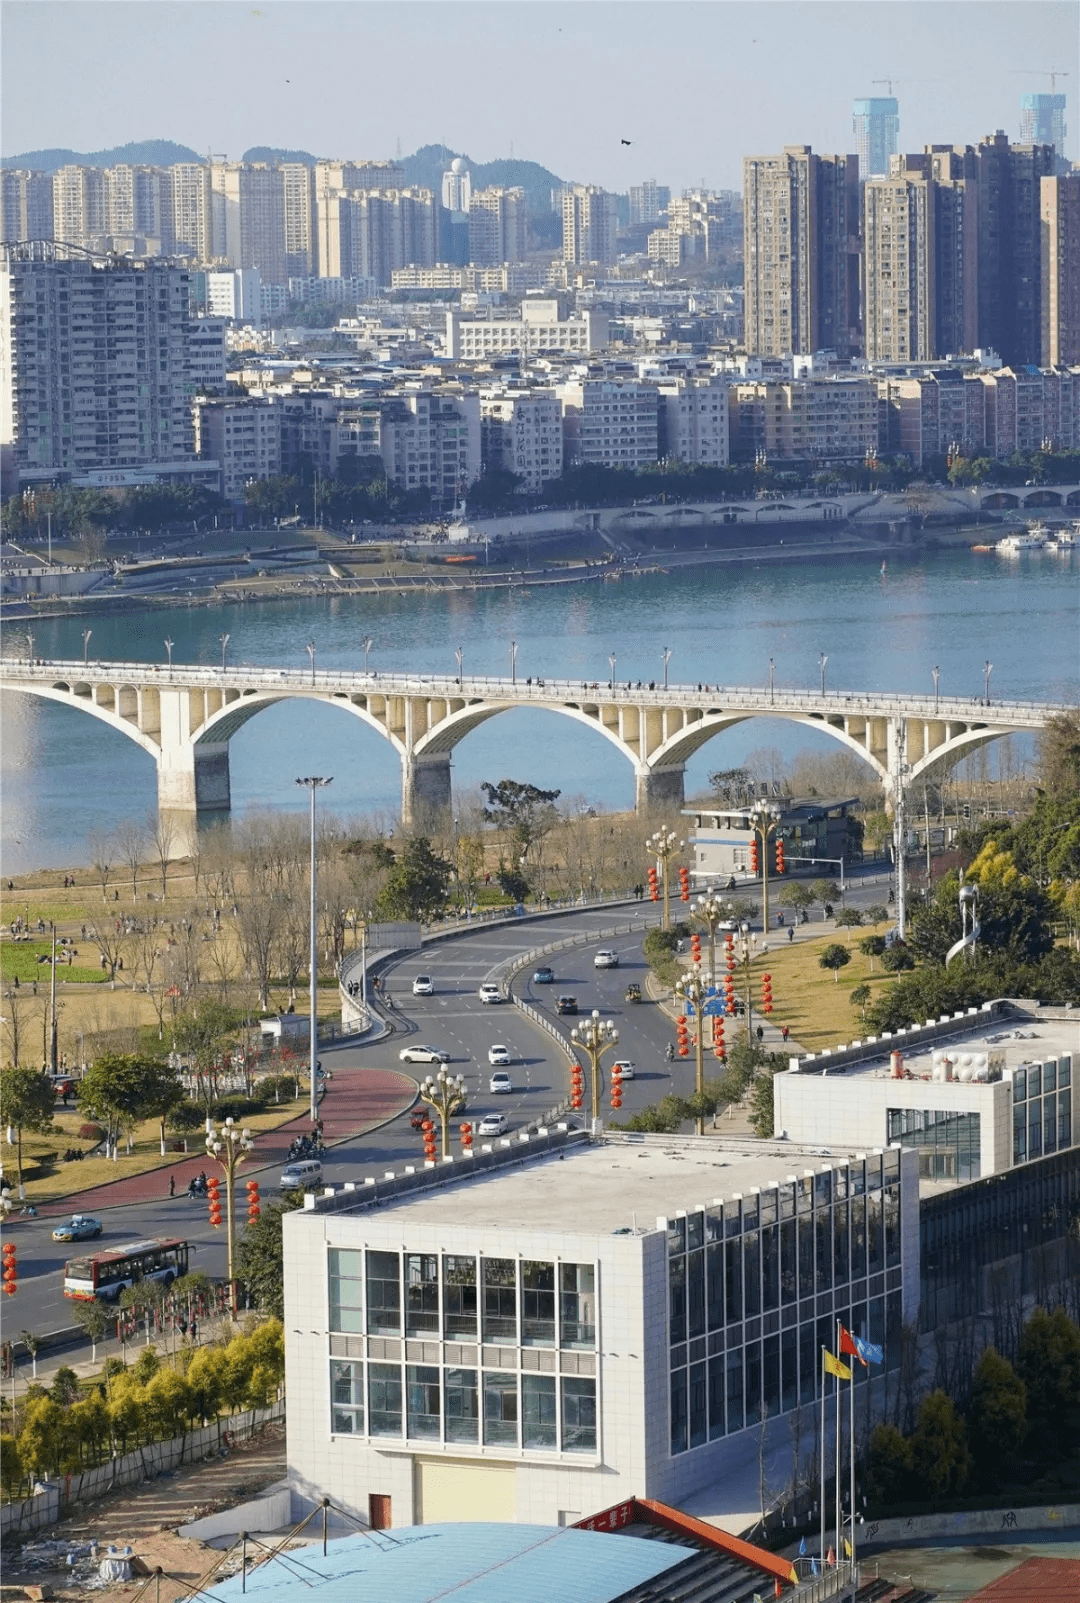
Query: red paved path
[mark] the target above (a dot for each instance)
(356, 1100)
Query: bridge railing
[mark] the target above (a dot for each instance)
(545, 690)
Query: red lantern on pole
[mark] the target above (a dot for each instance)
(616, 1086)
(779, 857)
(682, 1036)
(684, 884)
(465, 1132)
(755, 857)
(695, 948)
(213, 1201)
(11, 1269)
(654, 885)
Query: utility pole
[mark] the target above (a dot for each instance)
(52, 1004)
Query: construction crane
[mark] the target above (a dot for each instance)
(1053, 73)
(888, 82)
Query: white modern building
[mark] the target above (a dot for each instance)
(431, 440)
(610, 422)
(544, 325)
(235, 293)
(590, 224)
(537, 1331)
(522, 433)
(974, 1095)
(695, 417)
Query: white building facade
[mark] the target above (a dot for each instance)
(522, 434)
(610, 422)
(244, 437)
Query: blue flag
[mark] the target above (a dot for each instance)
(802, 1547)
(868, 1352)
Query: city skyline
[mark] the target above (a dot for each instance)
(271, 80)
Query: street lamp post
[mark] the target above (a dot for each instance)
(710, 910)
(85, 644)
(310, 649)
(936, 672)
(822, 660)
(168, 652)
(224, 648)
(611, 664)
(988, 668)
(458, 653)
(772, 679)
(313, 783)
(229, 1147)
(595, 1036)
(765, 821)
(365, 646)
(690, 988)
(666, 655)
(29, 647)
(513, 662)
(446, 1094)
(746, 952)
(663, 846)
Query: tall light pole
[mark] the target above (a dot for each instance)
(772, 679)
(663, 845)
(690, 989)
(458, 653)
(746, 952)
(29, 646)
(611, 664)
(313, 784)
(229, 1146)
(446, 1094)
(988, 668)
(666, 656)
(224, 648)
(168, 652)
(594, 1036)
(822, 660)
(365, 646)
(710, 910)
(936, 672)
(85, 644)
(310, 649)
(764, 821)
(513, 662)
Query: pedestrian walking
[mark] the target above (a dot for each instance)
(760, 1033)
(172, 1185)
(785, 1031)
(791, 934)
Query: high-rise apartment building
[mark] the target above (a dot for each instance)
(648, 200)
(27, 204)
(247, 212)
(457, 186)
(191, 211)
(137, 203)
(1059, 200)
(78, 204)
(801, 248)
(590, 222)
(496, 226)
(1042, 121)
(1010, 256)
(332, 181)
(95, 363)
(876, 124)
(297, 218)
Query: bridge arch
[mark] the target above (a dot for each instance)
(79, 697)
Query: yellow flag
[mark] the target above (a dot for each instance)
(833, 1366)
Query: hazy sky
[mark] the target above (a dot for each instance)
(693, 84)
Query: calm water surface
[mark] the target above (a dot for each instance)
(65, 775)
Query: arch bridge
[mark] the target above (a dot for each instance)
(184, 718)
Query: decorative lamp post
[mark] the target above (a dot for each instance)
(229, 1146)
(822, 660)
(936, 672)
(710, 910)
(224, 639)
(458, 653)
(663, 845)
(611, 664)
(365, 646)
(445, 1093)
(594, 1036)
(764, 821)
(513, 662)
(691, 989)
(85, 644)
(168, 652)
(988, 668)
(666, 655)
(310, 649)
(746, 953)
(313, 784)
(772, 679)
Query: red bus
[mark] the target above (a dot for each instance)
(106, 1274)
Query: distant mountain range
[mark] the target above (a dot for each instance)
(425, 166)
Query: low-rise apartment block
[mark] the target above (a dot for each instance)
(805, 419)
(610, 423)
(694, 421)
(243, 436)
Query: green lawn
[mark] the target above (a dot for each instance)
(20, 958)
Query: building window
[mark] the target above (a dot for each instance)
(346, 1271)
(500, 1410)
(539, 1415)
(383, 1294)
(461, 1406)
(577, 1305)
(459, 1297)
(422, 1390)
(677, 1300)
(500, 1299)
(421, 1294)
(537, 1304)
(699, 1422)
(384, 1400)
(347, 1397)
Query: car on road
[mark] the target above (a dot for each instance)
(544, 975)
(423, 985)
(566, 1004)
(500, 1083)
(499, 1055)
(80, 1227)
(423, 1054)
(489, 992)
(492, 1124)
(625, 1068)
(606, 958)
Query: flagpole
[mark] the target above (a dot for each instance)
(821, 1549)
(851, 1430)
(839, 1508)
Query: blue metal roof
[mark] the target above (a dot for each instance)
(468, 1563)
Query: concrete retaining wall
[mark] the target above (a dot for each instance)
(267, 1513)
(998, 1523)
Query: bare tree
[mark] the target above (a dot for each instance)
(218, 857)
(108, 936)
(130, 840)
(258, 924)
(162, 836)
(102, 857)
(14, 1009)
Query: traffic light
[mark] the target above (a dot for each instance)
(254, 1210)
(465, 1132)
(766, 993)
(11, 1269)
(654, 885)
(755, 856)
(695, 948)
(684, 884)
(779, 857)
(213, 1202)
(682, 1036)
(616, 1086)
(428, 1129)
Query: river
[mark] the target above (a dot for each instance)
(65, 775)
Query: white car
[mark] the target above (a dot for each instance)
(489, 992)
(423, 1054)
(500, 1083)
(423, 985)
(625, 1068)
(606, 959)
(492, 1124)
(499, 1056)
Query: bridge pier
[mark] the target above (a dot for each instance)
(425, 788)
(194, 777)
(659, 789)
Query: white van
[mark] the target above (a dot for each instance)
(306, 1173)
